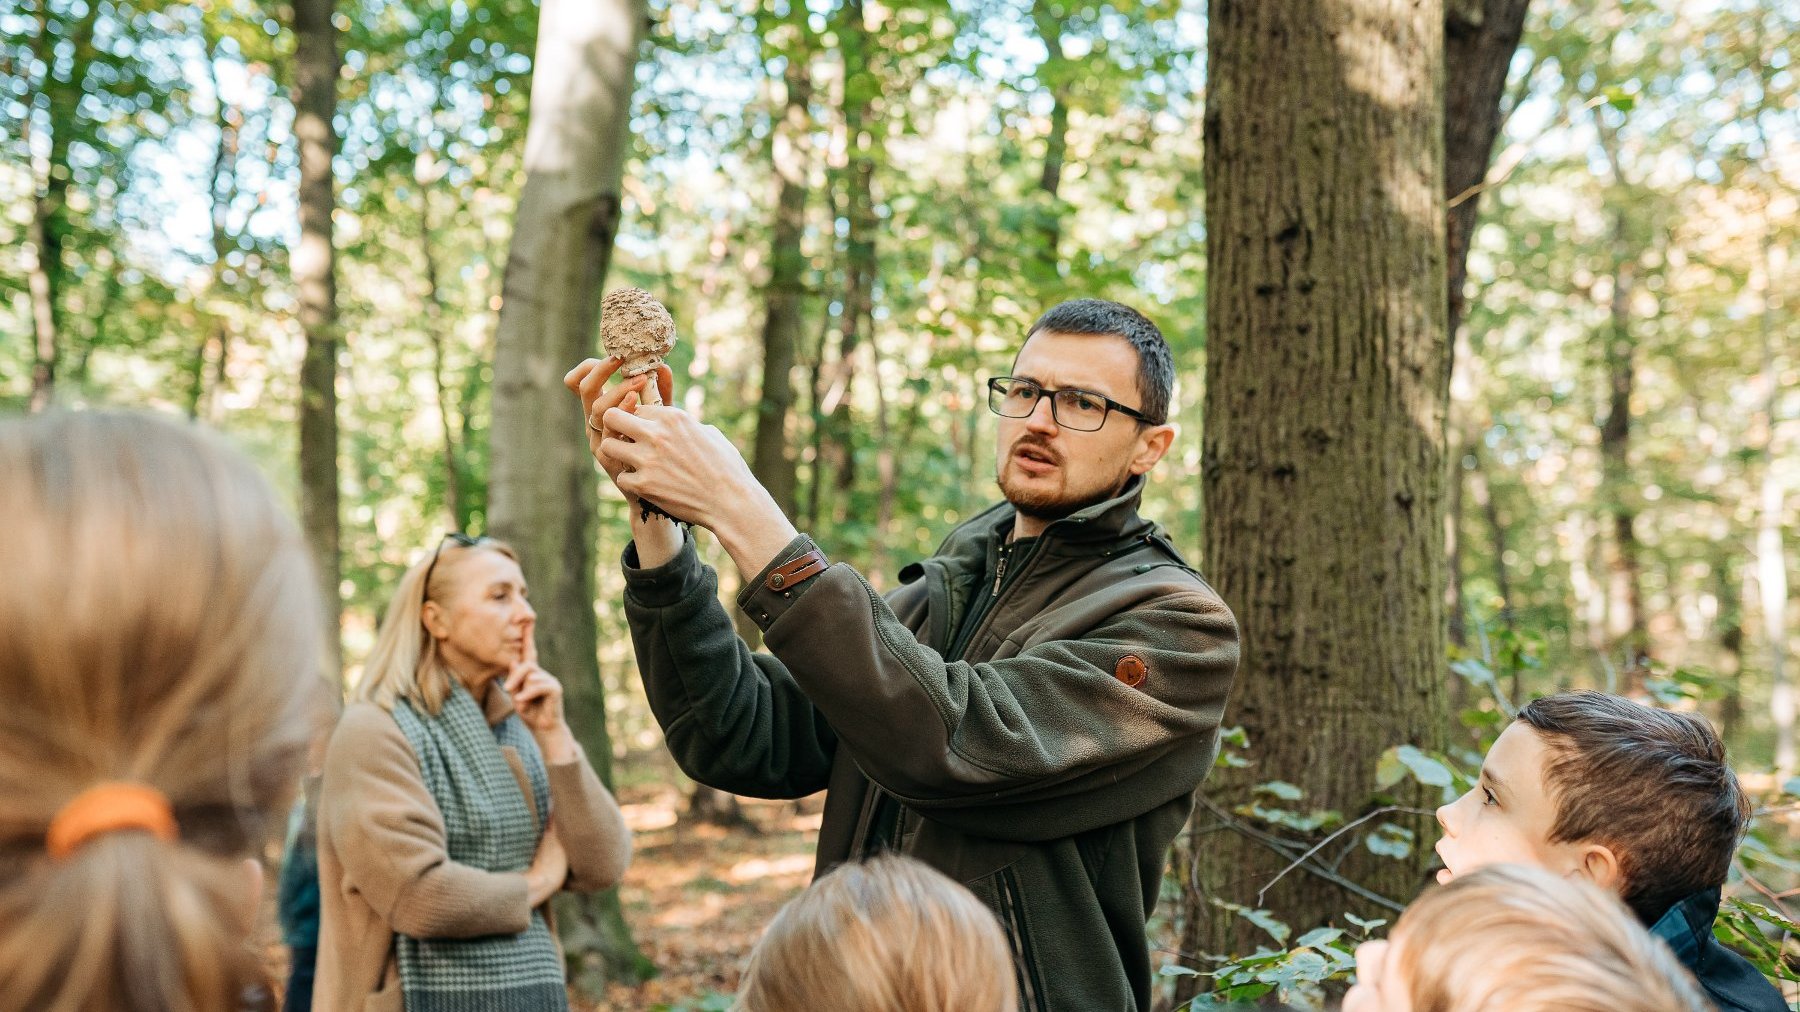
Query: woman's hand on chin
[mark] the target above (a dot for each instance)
(538, 697)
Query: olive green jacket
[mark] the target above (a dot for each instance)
(981, 718)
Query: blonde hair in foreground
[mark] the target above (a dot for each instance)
(405, 663)
(159, 624)
(887, 935)
(1510, 938)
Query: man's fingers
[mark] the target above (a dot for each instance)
(619, 421)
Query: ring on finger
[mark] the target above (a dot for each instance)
(597, 428)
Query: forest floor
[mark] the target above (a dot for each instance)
(697, 897)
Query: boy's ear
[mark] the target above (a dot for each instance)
(1601, 867)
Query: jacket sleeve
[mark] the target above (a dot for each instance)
(1042, 743)
(590, 825)
(389, 837)
(734, 719)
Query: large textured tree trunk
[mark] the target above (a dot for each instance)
(315, 283)
(1324, 428)
(543, 493)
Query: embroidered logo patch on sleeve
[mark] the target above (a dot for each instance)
(1131, 670)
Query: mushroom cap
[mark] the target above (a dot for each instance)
(635, 327)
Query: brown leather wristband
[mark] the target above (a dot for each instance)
(784, 578)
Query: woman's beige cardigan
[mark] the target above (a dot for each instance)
(383, 867)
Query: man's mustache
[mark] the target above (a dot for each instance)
(1038, 447)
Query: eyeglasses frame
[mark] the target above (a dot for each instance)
(994, 386)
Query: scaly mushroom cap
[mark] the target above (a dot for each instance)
(636, 328)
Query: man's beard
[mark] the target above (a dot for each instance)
(1050, 507)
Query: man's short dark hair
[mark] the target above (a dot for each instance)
(1156, 365)
(1651, 784)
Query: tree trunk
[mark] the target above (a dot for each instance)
(1483, 493)
(1728, 626)
(1054, 73)
(1480, 37)
(543, 494)
(787, 284)
(49, 225)
(1627, 638)
(315, 283)
(859, 253)
(434, 331)
(1771, 561)
(1324, 430)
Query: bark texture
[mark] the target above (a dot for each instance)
(543, 494)
(1324, 431)
(315, 283)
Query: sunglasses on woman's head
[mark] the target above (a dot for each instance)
(454, 536)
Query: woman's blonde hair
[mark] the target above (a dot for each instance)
(886, 935)
(159, 625)
(405, 663)
(1520, 939)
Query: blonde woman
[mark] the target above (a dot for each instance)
(1512, 938)
(454, 803)
(160, 644)
(888, 935)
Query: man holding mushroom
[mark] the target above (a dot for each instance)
(1029, 712)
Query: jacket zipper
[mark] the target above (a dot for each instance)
(973, 623)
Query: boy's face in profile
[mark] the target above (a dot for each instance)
(1506, 818)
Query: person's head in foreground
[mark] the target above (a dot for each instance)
(1637, 800)
(1085, 410)
(160, 643)
(886, 935)
(1513, 938)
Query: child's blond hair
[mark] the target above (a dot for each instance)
(1520, 939)
(886, 935)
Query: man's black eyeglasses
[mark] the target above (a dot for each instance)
(456, 536)
(1081, 410)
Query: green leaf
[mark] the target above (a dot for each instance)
(1389, 840)
(1266, 921)
(1319, 936)
(1281, 790)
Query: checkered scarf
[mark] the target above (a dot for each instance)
(487, 825)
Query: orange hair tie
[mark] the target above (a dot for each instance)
(109, 808)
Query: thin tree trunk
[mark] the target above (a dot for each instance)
(886, 472)
(221, 187)
(1054, 72)
(1483, 494)
(782, 320)
(49, 225)
(1771, 565)
(1324, 202)
(434, 331)
(1728, 626)
(543, 494)
(315, 281)
(1455, 606)
(859, 252)
(1628, 641)
(1480, 37)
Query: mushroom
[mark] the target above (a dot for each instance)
(636, 329)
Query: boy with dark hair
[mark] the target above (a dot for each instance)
(1638, 800)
